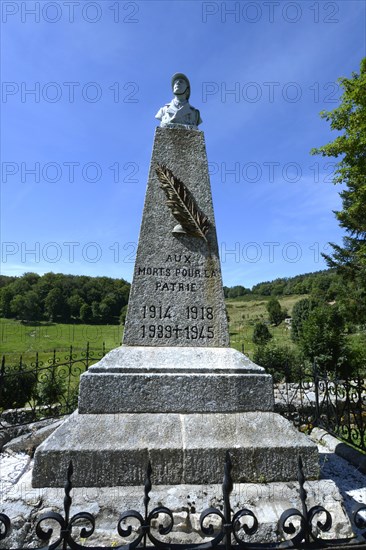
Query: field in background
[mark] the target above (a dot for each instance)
(246, 311)
(26, 339)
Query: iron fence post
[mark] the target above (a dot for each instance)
(2, 379)
(316, 390)
(87, 356)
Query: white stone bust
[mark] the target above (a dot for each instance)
(179, 112)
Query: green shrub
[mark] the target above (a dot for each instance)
(51, 388)
(16, 388)
(261, 334)
(282, 362)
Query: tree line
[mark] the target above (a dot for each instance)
(63, 298)
(325, 282)
(325, 286)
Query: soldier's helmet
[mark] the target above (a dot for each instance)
(183, 77)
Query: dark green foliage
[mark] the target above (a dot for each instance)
(261, 334)
(86, 313)
(349, 118)
(281, 362)
(26, 306)
(300, 313)
(6, 280)
(55, 307)
(51, 388)
(5, 301)
(61, 298)
(322, 339)
(17, 388)
(236, 291)
(275, 313)
(74, 304)
(357, 356)
(309, 283)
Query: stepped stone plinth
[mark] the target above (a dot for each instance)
(114, 449)
(175, 393)
(175, 380)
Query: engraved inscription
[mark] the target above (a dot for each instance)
(156, 312)
(179, 287)
(192, 332)
(179, 258)
(194, 312)
(184, 272)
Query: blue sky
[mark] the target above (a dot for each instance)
(76, 151)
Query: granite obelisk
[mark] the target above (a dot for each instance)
(177, 295)
(175, 393)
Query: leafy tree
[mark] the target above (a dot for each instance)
(17, 306)
(261, 334)
(6, 280)
(263, 289)
(236, 291)
(323, 340)
(57, 296)
(54, 304)
(300, 313)
(32, 306)
(5, 303)
(86, 313)
(349, 118)
(74, 303)
(30, 278)
(276, 315)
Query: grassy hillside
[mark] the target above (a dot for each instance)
(246, 311)
(17, 338)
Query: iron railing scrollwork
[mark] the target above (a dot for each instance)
(302, 529)
(341, 407)
(323, 400)
(43, 389)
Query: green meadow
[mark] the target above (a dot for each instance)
(43, 337)
(246, 311)
(18, 338)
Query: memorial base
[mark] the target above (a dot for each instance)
(175, 380)
(180, 408)
(114, 449)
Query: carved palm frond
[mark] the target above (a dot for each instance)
(182, 204)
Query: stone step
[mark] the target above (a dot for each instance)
(114, 449)
(175, 380)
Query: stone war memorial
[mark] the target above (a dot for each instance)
(175, 393)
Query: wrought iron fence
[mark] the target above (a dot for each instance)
(341, 408)
(336, 405)
(42, 389)
(223, 529)
(296, 400)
